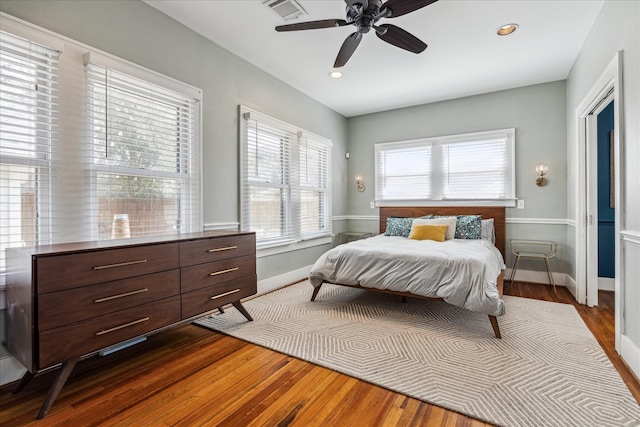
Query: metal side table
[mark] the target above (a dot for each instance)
(541, 249)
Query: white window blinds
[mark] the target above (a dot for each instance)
(315, 199)
(474, 167)
(267, 190)
(403, 171)
(28, 134)
(143, 144)
(285, 181)
(476, 170)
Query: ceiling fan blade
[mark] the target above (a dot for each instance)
(400, 38)
(402, 7)
(313, 25)
(348, 47)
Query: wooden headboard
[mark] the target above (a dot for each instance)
(497, 213)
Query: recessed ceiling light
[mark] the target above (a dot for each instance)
(505, 30)
(335, 74)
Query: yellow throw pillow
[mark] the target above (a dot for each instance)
(449, 221)
(428, 232)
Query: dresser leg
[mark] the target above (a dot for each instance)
(23, 382)
(241, 309)
(57, 385)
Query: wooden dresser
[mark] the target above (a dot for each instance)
(69, 301)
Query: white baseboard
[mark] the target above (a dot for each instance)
(606, 284)
(571, 285)
(630, 353)
(277, 282)
(10, 370)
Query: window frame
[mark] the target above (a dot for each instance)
(436, 174)
(190, 183)
(40, 155)
(295, 239)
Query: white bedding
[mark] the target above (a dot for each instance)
(461, 272)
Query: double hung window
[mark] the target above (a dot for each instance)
(285, 181)
(143, 156)
(471, 167)
(28, 134)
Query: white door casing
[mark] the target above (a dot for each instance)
(586, 206)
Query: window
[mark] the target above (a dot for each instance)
(91, 146)
(28, 134)
(471, 167)
(143, 154)
(285, 181)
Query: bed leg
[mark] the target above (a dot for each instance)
(315, 292)
(494, 325)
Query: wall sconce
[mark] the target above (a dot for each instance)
(360, 183)
(541, 170)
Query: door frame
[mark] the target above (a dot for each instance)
(586, 250)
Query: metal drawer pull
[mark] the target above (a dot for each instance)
(135, 322)
(222, 249)
(120, 264)
(225, 294)
(126, 294)
(229, 270)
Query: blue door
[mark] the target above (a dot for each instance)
(606, 208)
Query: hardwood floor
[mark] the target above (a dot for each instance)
(190, 376)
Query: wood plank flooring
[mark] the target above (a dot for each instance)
(190, 376)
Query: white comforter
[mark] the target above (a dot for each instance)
(461, 272)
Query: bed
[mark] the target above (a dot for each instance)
(467, 273)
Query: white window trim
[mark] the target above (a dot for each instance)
(508, 202)
(275, 247)
(158, 86)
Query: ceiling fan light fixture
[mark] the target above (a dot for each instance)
(505, 30)
(335, 74)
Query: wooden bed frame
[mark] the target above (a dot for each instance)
(497, 213)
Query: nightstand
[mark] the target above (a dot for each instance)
(350, 236)
(541, 249)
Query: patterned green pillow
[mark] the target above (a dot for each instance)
(469, 227)
(398, 227)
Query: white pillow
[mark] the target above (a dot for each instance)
(449, 221)
(488, 231)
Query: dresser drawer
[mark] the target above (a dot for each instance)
(103, 298)
(216, 248)
(67, 342)
(207, 299)
(59, 272)
(203, 275)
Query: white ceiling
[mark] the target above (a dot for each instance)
(465, 56)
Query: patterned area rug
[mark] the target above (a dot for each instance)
(548, 369)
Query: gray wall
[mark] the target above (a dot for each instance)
(134, 31)
(536, 112)
(617, 28)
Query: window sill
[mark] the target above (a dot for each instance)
(509, 203)
(289, 247)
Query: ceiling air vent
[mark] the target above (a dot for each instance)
(286, 9)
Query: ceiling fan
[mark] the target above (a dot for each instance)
(364, 14)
